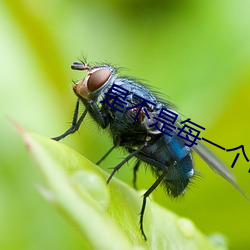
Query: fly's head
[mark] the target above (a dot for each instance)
(97, 80)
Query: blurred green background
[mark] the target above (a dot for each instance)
(196, 53)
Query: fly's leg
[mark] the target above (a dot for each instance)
(75, 124)
(91, 107)
(136, 167)
(105, 155)
(145, 196)
(97, 114)
(124, 161)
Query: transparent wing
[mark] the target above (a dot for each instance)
(217, 165)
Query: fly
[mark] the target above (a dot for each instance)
(131, 111)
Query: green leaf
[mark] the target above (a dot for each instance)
(107, 215)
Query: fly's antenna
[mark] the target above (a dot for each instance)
(80, 66)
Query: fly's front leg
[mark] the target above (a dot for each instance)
(97, 114)
(75, 123)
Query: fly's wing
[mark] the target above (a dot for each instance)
(217, 165)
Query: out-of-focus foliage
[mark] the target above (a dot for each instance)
(196, 53)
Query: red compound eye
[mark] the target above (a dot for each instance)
(97, 79)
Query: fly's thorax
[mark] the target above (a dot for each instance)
(150, 121)
(96, 82)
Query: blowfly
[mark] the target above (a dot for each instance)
(147, 126)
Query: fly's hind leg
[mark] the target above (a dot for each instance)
(145, 196)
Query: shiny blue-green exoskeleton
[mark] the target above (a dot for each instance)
(129, 113)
